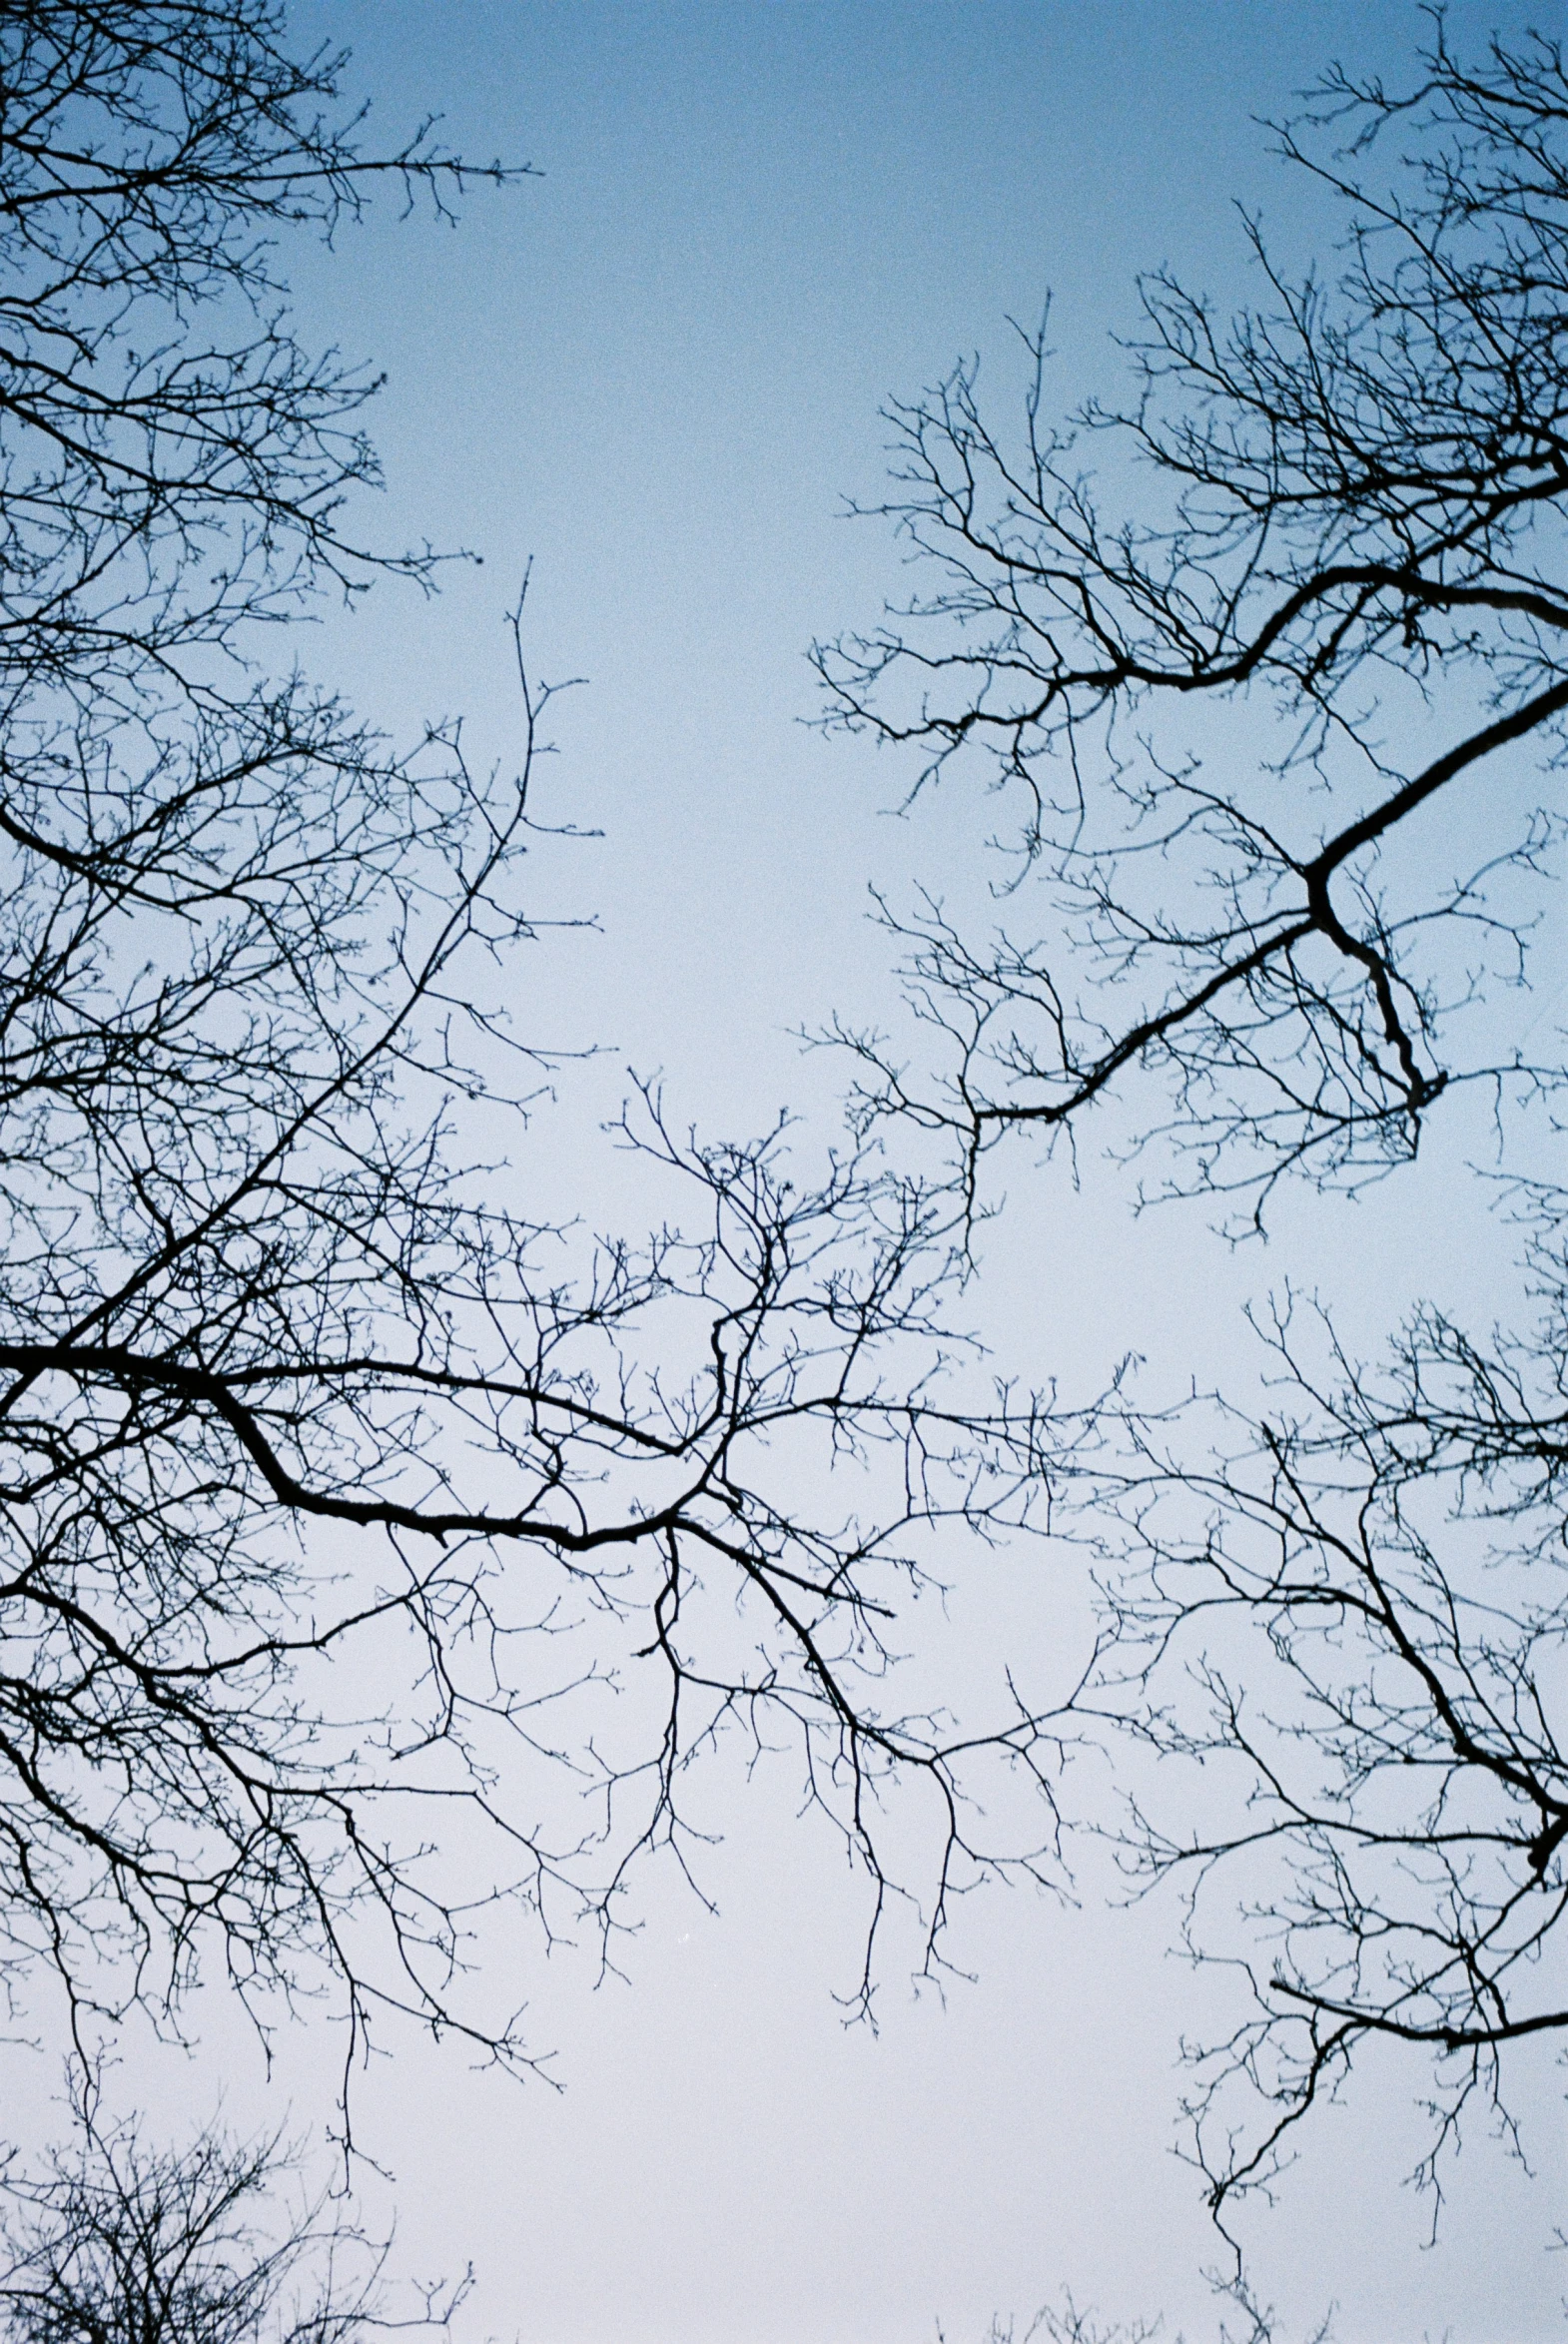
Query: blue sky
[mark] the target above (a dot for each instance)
(656, 373)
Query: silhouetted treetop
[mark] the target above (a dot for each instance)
(354, 1519)
(1282, 696)
(1338, 518)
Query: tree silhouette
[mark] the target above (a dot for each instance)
(353, 1520)
(115, 2241)
(1338, 1618)
(1346, 540)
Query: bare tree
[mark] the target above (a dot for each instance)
(1072, 2324)
(1344, 537)
(1350, 1622)
(335, 1491)
(114, 2241)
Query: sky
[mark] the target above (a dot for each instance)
(656, 373)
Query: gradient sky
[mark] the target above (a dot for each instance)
(656, 372)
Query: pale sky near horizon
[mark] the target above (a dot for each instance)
(656, 373)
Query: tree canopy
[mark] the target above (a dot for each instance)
(338, 1491)
(343, 1494)
(1339, 522)
(1281, 705)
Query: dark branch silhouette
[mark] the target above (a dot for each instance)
(115, 2241)
(1345, 536)
(1336, 1619)
(369, 1552)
